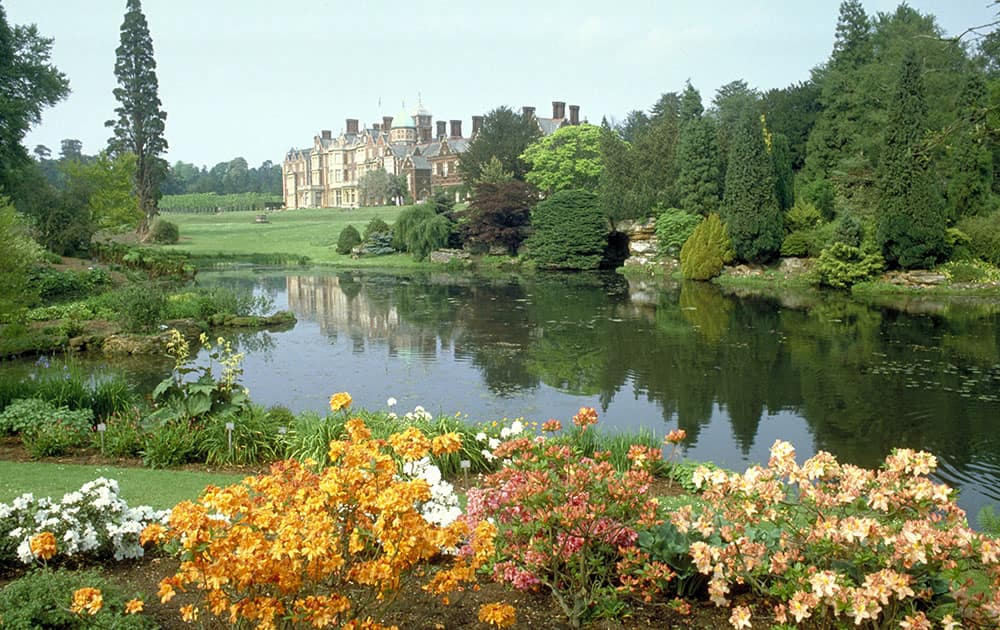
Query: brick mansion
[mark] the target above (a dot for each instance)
(409, 144)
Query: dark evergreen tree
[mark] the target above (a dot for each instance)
(793, 111)
(971, 182)
(655, 157)
(731, 102)
(569, 231)
(635, 124)
(749, 206)
(698, 167)
(781, 162)
(504, 135)
(616, 190)
(911, 216)
(28, 84)
(140, 120)
(690, 107)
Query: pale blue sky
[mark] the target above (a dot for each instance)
(253, 78)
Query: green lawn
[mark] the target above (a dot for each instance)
(138, 486)
(301, 232)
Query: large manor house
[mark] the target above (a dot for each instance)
(327, 174)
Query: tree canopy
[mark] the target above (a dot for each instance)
(504, 135)
(569, 158)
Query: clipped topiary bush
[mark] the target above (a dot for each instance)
(841, 265)
(673, 227)
(707, 250)
(570, 231)
(348, 238)
(164, 232)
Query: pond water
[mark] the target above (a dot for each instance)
(737, 373)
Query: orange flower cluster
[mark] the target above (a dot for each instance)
(340, 400)
(87, 599)
(43, 545)
(676, 436)
(587, 416)
(551, 426)
(325, 548)
(498, 615)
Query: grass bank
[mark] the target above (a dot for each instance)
(160, 489)
(287, 236)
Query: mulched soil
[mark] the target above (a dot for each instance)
(412, 608)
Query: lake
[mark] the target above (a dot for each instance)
(821, 371)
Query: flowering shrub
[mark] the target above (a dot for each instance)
(324, 547)
(93, 520)
(882, 548)
(563, 520)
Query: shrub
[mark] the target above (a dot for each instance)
(54, 285)
(499, 215)
(707, 250)
(570, 231)
(376, 226)
(420, 230)
(984, 236)
(164, 232)
(820, 193)
(203, 302)
(971, 271)
(797, 244)
(53, 438)
(24, 415)
(348, 238)
(379, 244)
(848, 230)
(170, 443)
(42, 598)
(122, 436)
(566, 520)
(801, 217)
(320, 547)
(832, 540)
(138, 307)
(841, 266)
(673, 227)
(310, 434)
(93, 521)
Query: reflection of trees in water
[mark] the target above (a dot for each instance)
(257, 342)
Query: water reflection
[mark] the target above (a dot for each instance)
(735, 372)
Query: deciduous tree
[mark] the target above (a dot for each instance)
(569, 158)
(499, 215)
(139, 126)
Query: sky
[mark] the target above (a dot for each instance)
(254, 78)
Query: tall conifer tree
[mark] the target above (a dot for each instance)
(971, 182)
(697, 158)
(139, 126)
(749, 206)
(911, 214)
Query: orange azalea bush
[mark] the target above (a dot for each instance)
(885, 548)
(325, 548)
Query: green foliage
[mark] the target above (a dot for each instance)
(499, 215)
(103, 187)
(156, 262)
(42, 598)
(618, 190)
(254, 438)
(970, 271)
(504, 135)
(211, 202)
(310, 434)
(970, 186)
(666, 544)
(138, 127)
(749, 207)
(984, 236)
(673, 227)
(139, 307)
(420, 230)
(122, 436)
(378, 244)
(570, 231)
(781, 163)
(17, 257)
(848, 230)
(698, 167)
(376, 226)
(841, 265)
(171, 443)
(348, 239)
(802, 216)
(164, 232)
(797, 244)
(493, 173)
(707, 250)
(989, 521)
(26, 414)
(568, 159)
(54, 285)
(820, 193)
(201, 303)
(911, 214)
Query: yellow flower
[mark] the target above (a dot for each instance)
(189, 613)
(133, 606)
(446, 443)
(496, 614)
(87, 599)
(340, 400)
(43, 545)
(740, 617)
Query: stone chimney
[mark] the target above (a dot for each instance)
(325, 134)
(387, 122)
(352, 125)
(477, 125)
(377, 127)
(456, 129)
(558, 110)
(442, 129)
(574, 114)
(424, 133)
(527, 111)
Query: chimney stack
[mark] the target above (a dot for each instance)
(377, 127)
(352, 125)
(477, 125)
(387, 122)
(456, 129)
(441, 129)
(558, 110)
(424, 134)
(574, 114)
(527, 112)
(325, 134)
